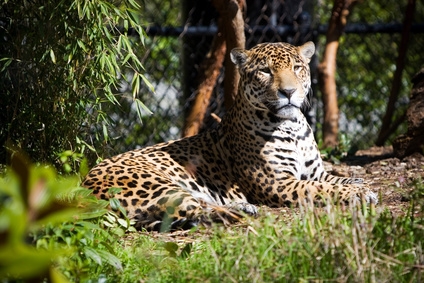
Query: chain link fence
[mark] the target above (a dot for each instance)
(180, 35)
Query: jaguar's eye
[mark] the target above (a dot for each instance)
(297, 68)
(265, 70)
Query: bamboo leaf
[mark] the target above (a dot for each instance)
(52, 56)
(147, 82)
(6, 64)
(135, 84)
(105, 132)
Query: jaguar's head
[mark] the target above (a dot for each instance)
(275, 77)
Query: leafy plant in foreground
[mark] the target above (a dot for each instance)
(29, 201)
(44, 222)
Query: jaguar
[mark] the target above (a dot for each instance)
(263, 152)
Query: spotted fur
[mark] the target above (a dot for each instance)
(263, 152)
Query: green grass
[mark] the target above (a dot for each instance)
(329, 244)
(323, 246)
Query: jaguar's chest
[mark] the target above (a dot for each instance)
(272, 152)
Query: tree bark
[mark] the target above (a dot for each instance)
(413, 140)
(230, 35)
(232, 15)
(327, 70)
(209, 72)
(386, 129)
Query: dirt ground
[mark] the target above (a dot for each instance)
(388, 176)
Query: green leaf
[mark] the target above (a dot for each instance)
(67, 168)
(6, 64)
(186, 250)
(23, 261)
(118, 231)
(93, 213)
(93, 254)
(82, 45)
(123, 222)
(83, 170)
(110, 258)
(149, 85)
(105, 132)
(114, 204)
(56, 217)
(114, 190)
(52, 56)
(171, 247)
(122, 210)
(57, 277)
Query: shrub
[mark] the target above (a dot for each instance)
(60, 60)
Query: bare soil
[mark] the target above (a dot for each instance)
(390, 177)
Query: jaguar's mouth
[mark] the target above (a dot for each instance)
(286, 106)
(278, 107)
(282, 109)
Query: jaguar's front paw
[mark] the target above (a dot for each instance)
(365, 194)
(245, 207)
(370, 196)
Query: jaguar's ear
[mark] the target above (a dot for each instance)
(307, 50)
(238, 56)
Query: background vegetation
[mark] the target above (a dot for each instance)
(71, 81)
(365, 67)
(61, 60)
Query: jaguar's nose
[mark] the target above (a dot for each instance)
(286, 93)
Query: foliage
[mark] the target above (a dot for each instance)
(365, 67)
(47, 221)
(337, 153)
(60, 61)
(163, 63)
(29, 201)
(162, 120)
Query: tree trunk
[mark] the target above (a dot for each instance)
(386, 128)
(232, 15)
(230, 35)
(327, 70)
(209, 72)
(413, 140)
